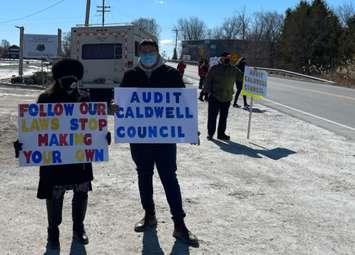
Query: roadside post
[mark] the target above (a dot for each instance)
(255, 86)
(20, 66)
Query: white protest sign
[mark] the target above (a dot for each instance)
(62, 133)
(255, 82)
(40, 46)
(156, 115)
(213, 61)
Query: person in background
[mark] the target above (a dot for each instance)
(55, 180)
(219, 85)
(151, 72)
(181, 68)
(202, 72)
(241, 66)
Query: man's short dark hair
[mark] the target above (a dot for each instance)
(149, 42)
(225, 54)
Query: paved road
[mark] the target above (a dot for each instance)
(328, 106)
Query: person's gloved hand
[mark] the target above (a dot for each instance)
(18, 148)
(113, 107)
(108, 137)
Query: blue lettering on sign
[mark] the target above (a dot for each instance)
(119, 113)
(74, 125)
(120, 132)
(131, 132)
(129, 113)
(159, 112)
(69, 108)
(158, 97)
(148, 112)
(147, 97)
(139, 115)
(54, 141)
(99, 155)
(188, 115)
(36, 157)
(169, 112)
(178, 113)
(180, 132)
(50, 110)
(152, 132)
(134, 98)
(56, 157)
(163, 131)
(173, 132)
(177, 97)
(142, 132)
(33, 110)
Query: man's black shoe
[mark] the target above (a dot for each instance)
(209, 137)
(184, 235)
(149, 221)
(224, 137)
(236, 106)
(81, 237)
(201, 99)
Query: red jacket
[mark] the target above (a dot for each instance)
(202, 70)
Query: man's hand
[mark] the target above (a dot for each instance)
(18, 148)
(113, 107)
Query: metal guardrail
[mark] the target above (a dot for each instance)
(281, 71)
(294, 74)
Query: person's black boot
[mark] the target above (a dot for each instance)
(79, 205)
(183, 234)
(54, 214)
(149, 221)
(53, 239)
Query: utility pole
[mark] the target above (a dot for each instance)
(20, 65)
(103, 9)
(176, 40)
(87, 16)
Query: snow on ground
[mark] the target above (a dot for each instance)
(289, 190)
(9, 68)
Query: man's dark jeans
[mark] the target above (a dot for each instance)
(164, 157)
(216, 107)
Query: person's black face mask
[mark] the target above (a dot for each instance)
(68, 83)
(227, 61)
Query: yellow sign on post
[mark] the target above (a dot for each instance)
(254, 86)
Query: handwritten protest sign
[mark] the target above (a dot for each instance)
(255, 82)
(62, 133)
(161, 115)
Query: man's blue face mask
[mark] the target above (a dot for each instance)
(149, 59)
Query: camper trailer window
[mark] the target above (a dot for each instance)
(102, 51)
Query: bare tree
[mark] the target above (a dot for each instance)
(235, 27)
(192, 29)
(266, 26)
(149, 25)
(344, 12)
(5, 44)
(66, 44)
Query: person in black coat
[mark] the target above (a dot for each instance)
(151, 72)
(241, 66)
(56, 179)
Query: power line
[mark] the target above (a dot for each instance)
(33, 13)
(103, 9)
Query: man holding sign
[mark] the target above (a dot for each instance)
(150, 75)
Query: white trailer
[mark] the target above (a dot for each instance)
(106, 53)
